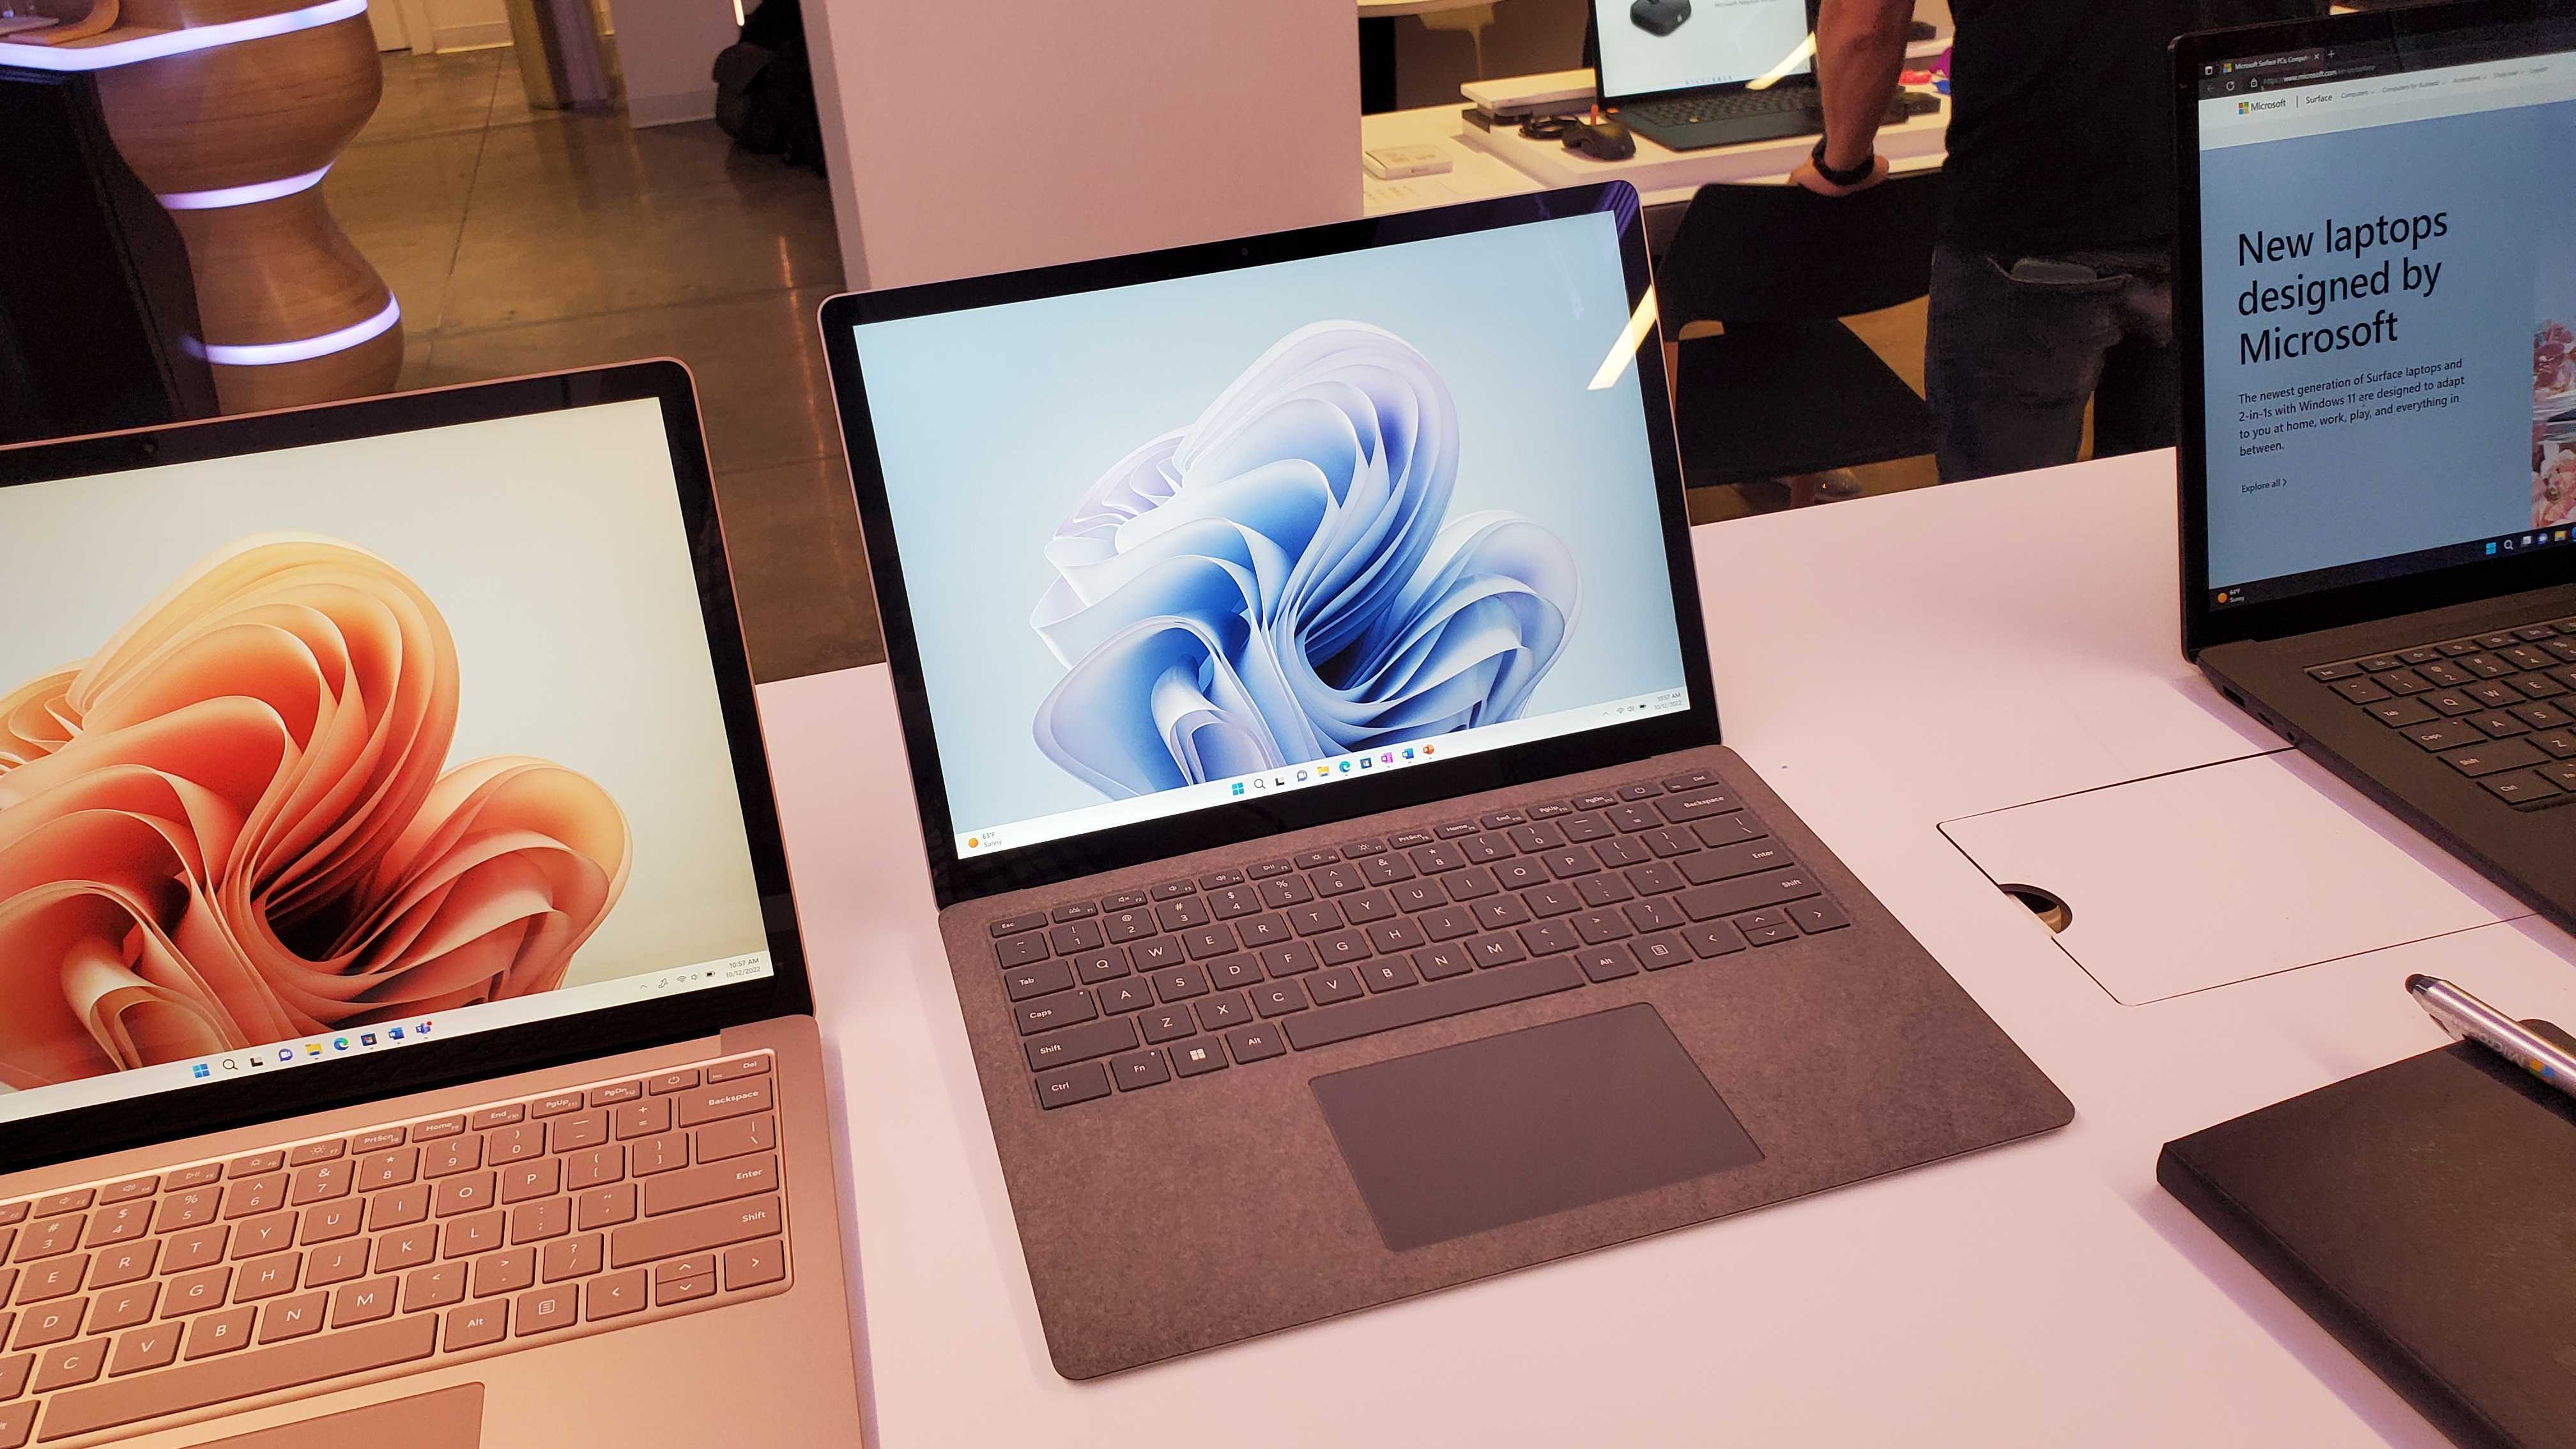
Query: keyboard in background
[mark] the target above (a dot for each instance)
(2500, 708)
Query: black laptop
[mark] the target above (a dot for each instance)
(1693, 74)
(1348, 892)
(2378, 471)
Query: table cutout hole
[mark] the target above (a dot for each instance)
(2051, 912)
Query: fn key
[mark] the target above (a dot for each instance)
(1817, 915)
(1077, 1083)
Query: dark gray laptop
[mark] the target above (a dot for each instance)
(1349, 895)
(2379, 417)
(1693, 76)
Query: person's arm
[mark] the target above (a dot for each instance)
(1860, 49)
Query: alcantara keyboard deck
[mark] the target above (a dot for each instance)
(1239, 966)
(466, 1234)
(2499, 708)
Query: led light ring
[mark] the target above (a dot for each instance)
(270, 354)
(244, 195)
(177, 42)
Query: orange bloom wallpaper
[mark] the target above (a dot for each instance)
(236, 823)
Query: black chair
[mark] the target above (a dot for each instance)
(1787, 389)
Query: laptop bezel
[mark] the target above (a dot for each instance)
(2204, 623)
(954, 879)
(1804, 78)
(202, 1107)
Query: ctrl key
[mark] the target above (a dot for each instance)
(1077, 1083)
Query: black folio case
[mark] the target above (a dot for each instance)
(2425, 1215)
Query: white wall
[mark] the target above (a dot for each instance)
(456, 24)
(1525, 37)
(966, 138)
(665, 49)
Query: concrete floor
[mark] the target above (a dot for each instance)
(520, 241)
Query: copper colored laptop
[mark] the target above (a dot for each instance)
(404, 1037)
(1348, 890)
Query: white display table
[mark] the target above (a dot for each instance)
(1888, 664)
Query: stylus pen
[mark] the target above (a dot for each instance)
(2468, 1019)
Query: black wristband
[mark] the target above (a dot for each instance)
(1852, 177)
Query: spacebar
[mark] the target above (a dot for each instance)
(1431, 1001)
(240, 1376)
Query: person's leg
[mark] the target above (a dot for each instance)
(2009, 364)
(2137, 405)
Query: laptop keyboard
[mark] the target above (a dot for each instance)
(468, 1234)
(1690, 110)
(1142, 989)
(2500, 708)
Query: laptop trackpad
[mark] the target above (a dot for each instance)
(1485, 1133)
(449, 1418)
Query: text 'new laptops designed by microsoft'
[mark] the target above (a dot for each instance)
(1301, 669)
(2378, 477)
(403, 1037)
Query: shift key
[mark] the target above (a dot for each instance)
(722, 1226)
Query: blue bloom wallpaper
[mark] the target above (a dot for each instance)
(1281, 580)
(1185, 530)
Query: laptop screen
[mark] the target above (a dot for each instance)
(328, 751)
(1272, 529)
(2388, 285)
(1649, 46)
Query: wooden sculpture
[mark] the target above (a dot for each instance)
(232, 111)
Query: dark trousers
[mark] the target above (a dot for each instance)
(2009, 363)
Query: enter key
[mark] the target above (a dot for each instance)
(715, 1182)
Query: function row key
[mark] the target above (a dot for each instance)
(1015, 925)
(1073, 911)
(127, 1191)
(313, 1152)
